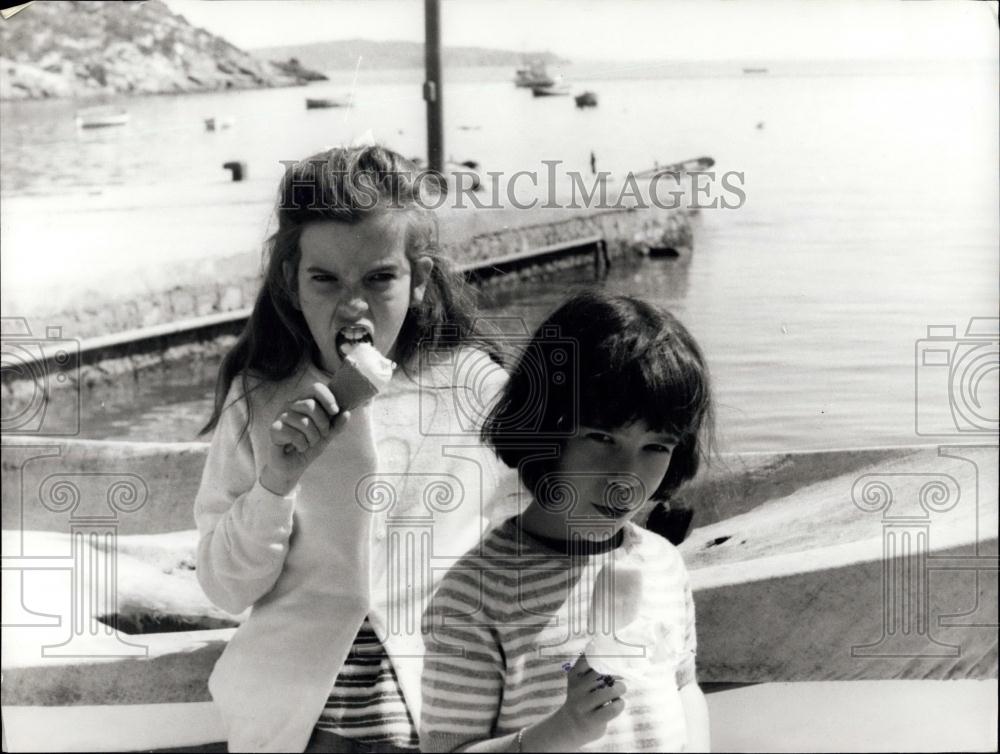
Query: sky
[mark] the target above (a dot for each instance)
(627, 29)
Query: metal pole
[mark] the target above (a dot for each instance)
(432, 85)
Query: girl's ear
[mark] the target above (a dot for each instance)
(292, 282)
(420, 276)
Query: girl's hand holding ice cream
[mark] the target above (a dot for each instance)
(299, 435)
(592, 701)
(302, 431)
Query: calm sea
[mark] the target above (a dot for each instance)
(871, 214)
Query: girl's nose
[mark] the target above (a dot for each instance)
(624, 484)
(352, 306)
(626, 490)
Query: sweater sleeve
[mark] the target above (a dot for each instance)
(243, 528)
(463, 665)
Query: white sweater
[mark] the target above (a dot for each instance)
(403, 491)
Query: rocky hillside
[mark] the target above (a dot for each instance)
(81, 49)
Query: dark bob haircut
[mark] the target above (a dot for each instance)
(604, 361)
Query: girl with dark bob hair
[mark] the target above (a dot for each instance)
(608, 408)
(632, 360)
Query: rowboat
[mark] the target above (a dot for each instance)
(101, 118)
(833, 582)
(316, 103)
(218, 124)
(463, 175)
(533, 75)
(698, 163)
(555, 90)
(587, 99)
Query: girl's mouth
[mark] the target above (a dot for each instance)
(607, 512)
(350, 337)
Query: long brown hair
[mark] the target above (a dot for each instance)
(345, 185)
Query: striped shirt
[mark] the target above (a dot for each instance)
(366, 703)
(512, 611)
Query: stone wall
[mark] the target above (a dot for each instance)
(624, 231)
(241, 273)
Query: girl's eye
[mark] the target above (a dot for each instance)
(600, 437)
(324, 278)
(657, 448)
(382, 278)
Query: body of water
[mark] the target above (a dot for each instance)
(871, 213)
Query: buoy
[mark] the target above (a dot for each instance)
(238, 168)
(218, 124)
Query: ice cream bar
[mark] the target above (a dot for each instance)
(363, 375)
(622, 598)
(623, 640)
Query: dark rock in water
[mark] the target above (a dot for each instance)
(237, 168)
(82, 49)
(668, 252)
(292, 67)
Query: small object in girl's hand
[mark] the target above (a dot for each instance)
(363, 375)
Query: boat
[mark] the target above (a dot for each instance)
(533, 74)
(754, 70)
(663, 252)
(553, 90)
(760, 568)
(698, 163)
(316, 103)
(101, 118)
(466, 174)
(218, 124)
(587, 99)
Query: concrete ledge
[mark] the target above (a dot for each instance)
(856, 716)
(165, 476)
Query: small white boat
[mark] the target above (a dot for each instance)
(218, 124)
(698, 163)
(532, 75)
(101, 118)
(319, 103)
(554, 90)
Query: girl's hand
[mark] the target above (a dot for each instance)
(298, 437)
(592, 701)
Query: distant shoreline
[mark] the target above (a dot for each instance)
(587, 70)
